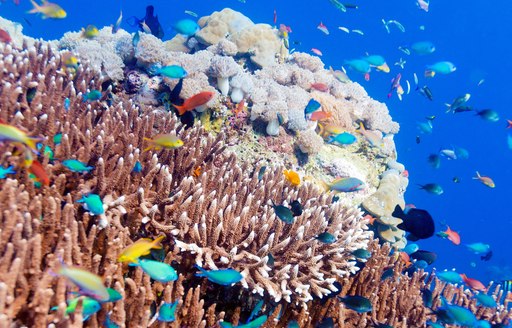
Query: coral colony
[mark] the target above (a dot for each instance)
(147, 216)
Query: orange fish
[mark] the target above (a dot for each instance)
(509, 124)
(322, 87)
(453, 236)
(370, 219)
(485, 180)
(4, 36)
(406, 259)
(292, 177)
(195, 101)
(320, 116)
(37, 169)
(473, 283)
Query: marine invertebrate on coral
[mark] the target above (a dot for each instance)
(241, 85)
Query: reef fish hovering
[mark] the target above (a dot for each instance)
(223, 277)
(89, 283)
(451, 277)
(417, 222)
(432, 188)
(195, 101)
(485, 180)
(423, 47)
(172, 72)
(357, 303)
(443, 67)
(48, 10)
(158, 271)
(89, 306)
(451, 235)
(479, 248)
(186, 27)
(166, 312)
(347, 184)
(13, 134)
(92, 203)
(139, 248)
(395, 85)
(166, 141)
(150, 21)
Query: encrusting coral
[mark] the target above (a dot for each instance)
(213, 209)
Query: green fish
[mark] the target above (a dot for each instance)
(261, 172)
(89, 306)
(362, 253)
(283, 213)
(443, 67)
(488, 115)
(357, 303)
(57, 139)
(6, 170)
(359, 65)
(326, 238)
(158, 271)
(485, 300)
(113, 295)
(166, 312)
(338, 5)
(172, 72)
(109, 323)
(47, 151)
(92, 95)
(76, 166)
(375, 60)
(92, 203)
(223, 277)
(451, 277)
(479, 248)
(432, 188)
(256, 323)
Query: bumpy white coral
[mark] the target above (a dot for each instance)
(309, 142)
(224, 48)
(221, 24)
(223, 68)
(241, 85)
(308, 62)
(261, 42)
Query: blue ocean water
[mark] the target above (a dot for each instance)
(473, 35)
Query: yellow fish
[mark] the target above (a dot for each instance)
(48, 9)
(11, 133)
(167, 141)
(90, 284)
(292, 177)
(139, 248)
(90, 32)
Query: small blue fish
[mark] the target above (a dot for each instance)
(256, 310)
(434, 160)
(223, 277)
(92, 203)
(451, 277)
(172, 72)
(109, 323)
(158, 271)
(261, 172)
(362, 253)
(425, 127)
(89, 306)
(92, 95)
(423, 47)
(488, 115)
(137, 168)
(6, 170)
(57, 139)
(427, 297)
(293, 324)
(344, 138)
(326, 238)
(283, 213)
(359, 65)
(357, 303)
(460, 315)
(420, 264)
(47, 151)
(76, 166)
(411, 248)
(479, 248)
(434, 324)
(256, 323)
(346, 184)
(67, 104)
(312, 106)
(114, 295)
(166, 312)
(443, 67)
(485, 300)
(186, 27)
(135, 39)
(432, 188)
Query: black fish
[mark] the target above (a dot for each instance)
(418, 140)
(296, 208)
(357, 303)
(187, 119)
(326, 323)
(462, 109)
(150, 20)
(426, 295)
(416, 221)
(487, 256)
(426, 256)
(425, 91)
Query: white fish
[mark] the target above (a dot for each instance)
(401, 63)
(415, 79)
(358, 32)
(191, 13)
(480, 82)
(393, 22)
(408, 86)
(344, 29)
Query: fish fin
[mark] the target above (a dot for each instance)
(36, 8)
(156, 242)
(202, 273)
(181, 109)
(478, 176)
(398, 212)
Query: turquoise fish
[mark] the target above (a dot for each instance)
(137, 168)
(326, 238)
(186, 27)
(57, 139)
(283, 213)
(256, 323)
(166, 312)
(172, 72)
(451, 277)
(479, 248)
(109, 323)
(312, 106)
(92, 95)
(344, 138)
(362, 253)
(443, 67)
(432, 188)
(348, 184)
(89, 306)
(6, 170)
(423, 47)
(158, 271)
(375, 60)
(223, 277)
(359, 65)
(47, 151)
(411, 248)
(76, 166)
(67, 104)
(357, 303)
(485, 300)
(460, 315)
(113, 295)
(92, 203)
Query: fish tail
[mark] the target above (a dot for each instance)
(202, 273)
(31, 142)
(181, 109)
(156, 242)
(478, 176)
(36, 8)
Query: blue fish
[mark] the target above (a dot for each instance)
(166, 312)
(223, 277)
(6, 170)
(158, 271)
(256, 323)
(357, 303)
(76, 166)
(479, 248)
(67, 103)
(346, 184)
(109, 323)
(186, 27)
(283, 213)
(451, 277)
(460, 315)
(92, 95)
(57, 139)
(326, 238)
(485, 300)
(89, 306)
(411, 248)
(344, 138)
(420, 264)
(137, 168)
(113, 295)
(362, 253)
(312, 106)
(423, 47)
(359, 65)
(92, 203)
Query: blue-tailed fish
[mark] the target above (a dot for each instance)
(223, 277)
(362, 253)
(92, 203)
(6, 170)
(11, 133)
(256, 323)
(347, 184)
(312, 106)
(357, 303)
(76, 165)
(479, 248)
(460, 315)
(89, 306)
(158, 271)
(172, 72)
(411, 248)
(166, 312)
(139, 248)
(186, 27)
(432, 188)
(137, 168)
(109, 323)
(48, 10)
(165, 141)
(89, 283)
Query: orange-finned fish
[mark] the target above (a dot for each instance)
(48, 10)
(275, 17)
(166, 141)
(395, 85)
(195, 101)
(139, 248)
(4, 36)
(37, 169)
(485, 180)
(322, 87)
(473, 283)
(320, 116)
(316, 51)
(13, 134)
(323, 28)
(292, 177)
(406, 259)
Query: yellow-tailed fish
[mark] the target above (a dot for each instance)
(139, 248)
(89, 283)
(166, 141)
(90, 32)
(11, 133)
(48, 10)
